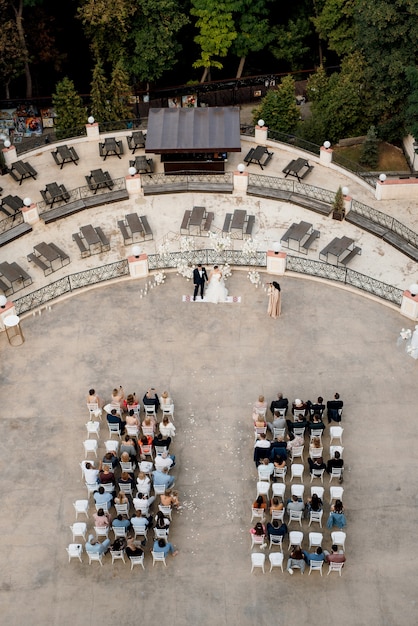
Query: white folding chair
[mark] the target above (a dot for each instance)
(257, 540)
(168, 409)
(336, 432)
(316, 453)
(257, 560)
(74, 551)
(296, 452)
(338, 538)
(263, 488)
(91, 488)
(150, 410)
(90, 445)
(296, 471)
(159, 490)
(257, 514)
(277, 514)
(102, 531)
(334, 449)
(315, 540)
(114, 429)
(335, 567)
(295, 538)
(103, 505)
(81, 506)
(94, 410)
(278, 490)
(93, 428)
(133, 431)
(318, 490)
(165, 510)
(122, 509)
(276, 540)
(137, 560)
(336, 472)
(158, 556)
(315, 566)
(94, 556)
(315, 516)
(280, 473)
(117, 555)
(278, 432)
(276, 560)
(148, 431)
(264, 473)
(79, 530)
(317, 473)
(295, 516)
(335, 493)
(120, 531)
(262, 430)
(112, 446)
(297, 490)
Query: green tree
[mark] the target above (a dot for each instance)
(411, 112)
(387, 35)
(370, 149)
(216, 32)
(338, 209)
(71, 114)
(289, 42)
(253, 30)
(278, 108)
(153, 41)
(100, 94)
(12, 57)
(335, 25)
(121, 91)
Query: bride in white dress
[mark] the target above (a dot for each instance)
(216, 291)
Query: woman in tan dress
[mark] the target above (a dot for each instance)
(274, 306)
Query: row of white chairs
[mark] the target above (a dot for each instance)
(258, 560)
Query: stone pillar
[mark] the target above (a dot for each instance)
(93, 132)
(30, 213)
(261, 135)
(325, 155)
(240, 181)
(133, 184)
(409, 305)
(347, 203)
(10, 155)
(8, 309)
(276, 262)
(138, 266)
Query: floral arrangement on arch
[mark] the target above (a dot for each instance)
(250, 247)
(219, 242)
(162, 249)
(159, 278)
(226, 271)
(254, 277)
(187, 244)
(185, 270)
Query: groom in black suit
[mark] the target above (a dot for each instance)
(199, 278)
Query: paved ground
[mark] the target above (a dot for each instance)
(215, 360)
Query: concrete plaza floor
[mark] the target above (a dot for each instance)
(215, 360)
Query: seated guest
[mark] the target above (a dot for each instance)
(260, 503)
(335, 556)
(125, 458)
(131, 400)
(129, 445)
(276, 504)
(91, 474)
(280, 403)
(295, 504)
(165, 399)
(131, 419)
(259, 408)
(149, 422)
(161, 522)
(278, 422)
(259, 422)
(259, 530)
(296, 560)
(313, 504)
(267, 466)
(318, 555)
(299, 405)
(161, 441)
(144, 442)
(164, 460)
(275, 529)
(333, 407)
(102, 497)
(167, 428)
(151, 399)
(261, 448)
(139, 523)
(337, 517)
(126, 479)
(143, 483)
(279, 462)
(122, 498)
(106, 477)
(316, 464)
(119, 544)
(336, 462)
(170, 498)
(142, 503)
(101, 519)
(121, 522)
(316, 408)
(316, 423)
(118, 396)
(133, 550)
(299, 423)
(110, 458)
(93, 398)
(113, 418)
(162, 478)
(161, 545)
(315, 444)
(295, 442)
(95, 547)
(278, 447)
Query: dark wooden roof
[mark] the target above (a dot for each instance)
(208, 129)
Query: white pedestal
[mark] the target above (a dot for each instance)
(240, 181)
(276, 263)
(9, 309)
(93, 132)
(325, 155)
(10, 155)
(409, 305)
(133, 184)
(347, 203)
(138, 266)
(30, 214)
(261, 135)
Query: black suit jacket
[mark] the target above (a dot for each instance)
(197, 280)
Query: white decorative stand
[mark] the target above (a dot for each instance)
(138, 266)
(93, 132)
(13, 330)
(409, 305)
(30, 213)
(325, 155)
(133, 184)
(8, 309)
(10, 155)
(260, 135)
(276, 262)
(240, 181)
